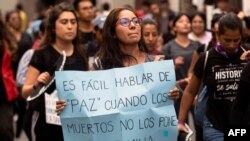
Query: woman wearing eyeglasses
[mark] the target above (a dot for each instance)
(122, 36)
(121, 45)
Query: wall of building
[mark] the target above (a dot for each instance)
(174, 4)
(246, 7)
(7, 6)
(115, 3)
(30, 8)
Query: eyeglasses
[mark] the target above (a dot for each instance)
(126, 22)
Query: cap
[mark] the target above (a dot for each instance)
(35, 25)
(99, 21)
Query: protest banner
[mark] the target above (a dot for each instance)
(122, 104)
(50, 108)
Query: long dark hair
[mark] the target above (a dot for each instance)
(230, 21)
(8, 37)
(202, 16)
(215, 19)
(50, 35)
(110, 54)
(177, 18)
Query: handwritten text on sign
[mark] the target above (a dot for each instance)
(123, 104)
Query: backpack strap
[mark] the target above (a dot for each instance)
(204, 67)
(205, 62)
(150, 58)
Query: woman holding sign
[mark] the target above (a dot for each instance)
(221, 75)
(121, 45)
(61, 35)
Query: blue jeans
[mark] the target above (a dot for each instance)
(210, 133)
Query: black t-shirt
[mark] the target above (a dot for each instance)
(43, 60)
(24, 44)
(240, 113)
(221, 76)
(204, 48)
(89, 43)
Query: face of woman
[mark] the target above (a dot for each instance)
(198, 25)
(15, 20)
(216, 27)
(66, 26)
(230, 40)
(128, 28)
(155, 9)
(182, 25)
(150, 36)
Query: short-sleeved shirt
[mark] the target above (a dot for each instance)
(240, 113)
(203, 40)
(24, 44)
(172, 50)
(43, 60)
(221, 76)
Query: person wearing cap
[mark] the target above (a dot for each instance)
(22, 69)
(97, 43)
(98, 26)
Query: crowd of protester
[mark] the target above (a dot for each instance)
(100, 39)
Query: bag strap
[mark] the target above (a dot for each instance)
(205, 62)
(203, 74)
(42, 88)
(150, 58)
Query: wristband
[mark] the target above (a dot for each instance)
(35, 86)
(181, 122)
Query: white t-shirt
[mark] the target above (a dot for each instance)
(205, 39)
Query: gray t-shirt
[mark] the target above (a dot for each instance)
(172, 50)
